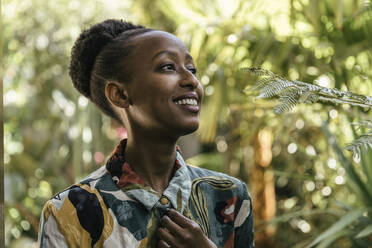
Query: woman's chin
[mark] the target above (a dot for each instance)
(188, 129)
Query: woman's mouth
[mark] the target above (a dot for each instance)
(187, 101)
(188, 104)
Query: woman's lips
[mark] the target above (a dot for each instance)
(190, 108)
(189, 105)
(188, 102)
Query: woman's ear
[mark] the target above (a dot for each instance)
(117, 94)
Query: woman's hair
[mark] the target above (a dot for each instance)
(99, 55)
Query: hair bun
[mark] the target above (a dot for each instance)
(87, 47)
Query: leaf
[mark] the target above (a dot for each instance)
(358, 186)
(272, 85)
(365, 140)
(303, 212)
(327, 242)
(365, 232)
(338, 226)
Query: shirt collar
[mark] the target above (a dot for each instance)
(177, 192)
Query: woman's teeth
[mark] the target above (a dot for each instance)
(188, 101)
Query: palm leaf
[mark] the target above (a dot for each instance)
(343, 222)
(365, 232)
(332, 238)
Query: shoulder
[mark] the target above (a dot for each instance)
(196, 172)
(72, 199)
(80, 207)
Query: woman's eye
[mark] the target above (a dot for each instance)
(193, 70)
(172, 67)
(168, 67)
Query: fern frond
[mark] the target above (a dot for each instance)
(260, 83)
(290, 93)
(272, 85)
(308, 97)
(267, 77)
(364, 123)
(364, 141)
(261, 72)
(288, 98)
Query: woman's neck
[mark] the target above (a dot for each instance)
(152, 159)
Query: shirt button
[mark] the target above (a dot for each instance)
(164, 200)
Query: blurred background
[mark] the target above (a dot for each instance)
(306, 187)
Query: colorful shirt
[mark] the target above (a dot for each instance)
(114, 207)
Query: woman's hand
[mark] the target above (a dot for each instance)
(177, 231)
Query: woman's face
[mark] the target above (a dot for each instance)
(164, 94)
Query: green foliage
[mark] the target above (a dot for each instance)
(365, 232)
(338, 226)
(291, 92)
(53, 137)
(364, 141)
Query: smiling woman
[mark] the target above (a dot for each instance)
(145, 195)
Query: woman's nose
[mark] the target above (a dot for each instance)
(189, 80)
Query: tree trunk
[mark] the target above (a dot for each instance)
(263, 187)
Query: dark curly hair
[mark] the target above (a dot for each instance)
(98, 55)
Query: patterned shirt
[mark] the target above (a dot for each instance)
(114, 207)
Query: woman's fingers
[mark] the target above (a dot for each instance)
(178, 231)
(171, 226)
(192, 227)
(162, 244)
(179, 218)
(167, 237)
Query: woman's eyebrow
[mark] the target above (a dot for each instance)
(189, 57)
(171, 54)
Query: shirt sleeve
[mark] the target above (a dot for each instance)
(49, 234)
(243, 224)
(76, 217)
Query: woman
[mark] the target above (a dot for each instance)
(145, 196)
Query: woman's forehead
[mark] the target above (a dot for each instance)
(154, 41)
